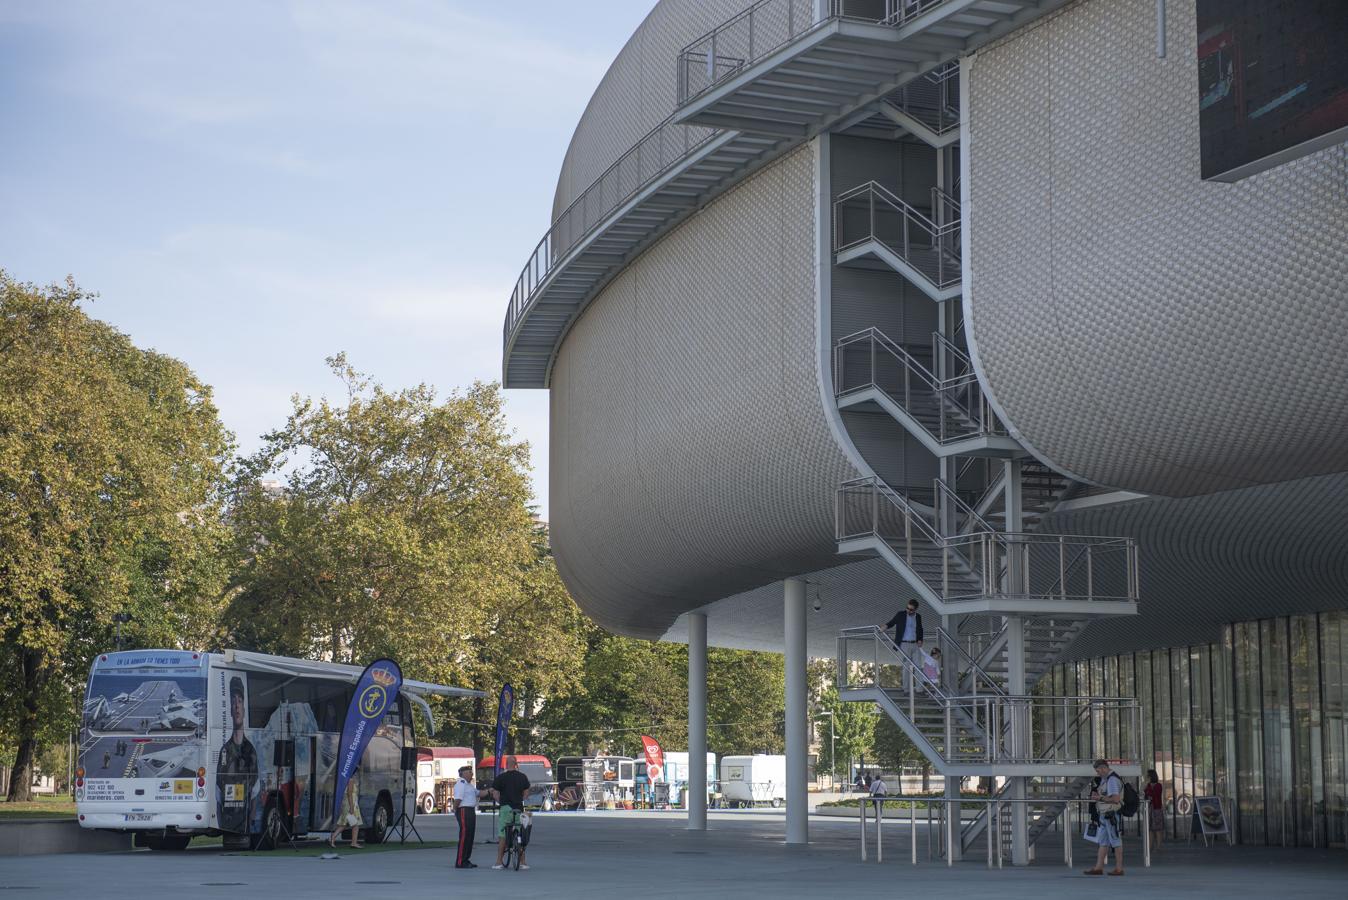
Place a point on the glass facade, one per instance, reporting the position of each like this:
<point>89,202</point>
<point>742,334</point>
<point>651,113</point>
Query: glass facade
<point>1259,719</point>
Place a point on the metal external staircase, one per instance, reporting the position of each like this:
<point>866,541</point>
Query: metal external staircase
<point>973,732</point>
<point>928,107</point>
<point>873,226</point>
<point>781,67</point>
<point>947,413</point>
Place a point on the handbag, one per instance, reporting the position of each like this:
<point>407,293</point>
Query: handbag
<point>352,819</point>
<point>1092,832</point>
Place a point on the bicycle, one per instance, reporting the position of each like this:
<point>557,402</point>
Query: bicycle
<point>517,838</point>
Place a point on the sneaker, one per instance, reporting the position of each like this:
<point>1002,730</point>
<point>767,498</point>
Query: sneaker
<point>523,867</point>
<point>498,866</point>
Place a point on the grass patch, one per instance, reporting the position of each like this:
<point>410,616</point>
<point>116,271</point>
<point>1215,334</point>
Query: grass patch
<point>42,808</point>
<point>899,803</point>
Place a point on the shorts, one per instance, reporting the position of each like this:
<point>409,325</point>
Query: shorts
<point>1108,835</point>
<point>1155,820</point>
<point>505,816</point>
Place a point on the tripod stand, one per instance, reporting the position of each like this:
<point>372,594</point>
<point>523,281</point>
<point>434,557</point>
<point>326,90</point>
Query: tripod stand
<point>404,822</point>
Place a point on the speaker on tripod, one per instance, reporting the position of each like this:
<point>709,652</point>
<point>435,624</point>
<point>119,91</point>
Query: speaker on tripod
<point>408,762</point>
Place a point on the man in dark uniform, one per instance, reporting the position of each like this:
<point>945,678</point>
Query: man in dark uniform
<point>236,770</point>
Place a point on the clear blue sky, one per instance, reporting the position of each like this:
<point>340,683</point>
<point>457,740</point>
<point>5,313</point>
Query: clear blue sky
<point>253,186</point>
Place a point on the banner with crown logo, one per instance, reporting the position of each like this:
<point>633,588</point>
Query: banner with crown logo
<point>376,693</point>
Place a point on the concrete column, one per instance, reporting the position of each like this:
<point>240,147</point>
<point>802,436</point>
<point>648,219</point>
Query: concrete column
<point>697,721</point>
<point>797,740</point>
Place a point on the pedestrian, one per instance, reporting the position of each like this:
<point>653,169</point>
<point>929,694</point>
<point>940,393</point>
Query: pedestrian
<point>1155,813</point>
<point>878,788</point>
<point>866,782</point>
<point>1108,799</point>
<point>510,789</point>
<point>465,813</point>
<point>907,625</point>
<point>350,814</point>
<point>107,758</point>
<point>931,666</point>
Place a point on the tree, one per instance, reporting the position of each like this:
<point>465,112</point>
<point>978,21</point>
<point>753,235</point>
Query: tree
<point>401,529</point>
<point>111,462</point>
<point>854,729</point>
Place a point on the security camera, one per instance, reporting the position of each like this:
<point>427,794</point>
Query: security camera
<point>818,604</point>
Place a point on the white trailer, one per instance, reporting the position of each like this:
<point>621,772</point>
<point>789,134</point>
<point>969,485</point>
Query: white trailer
<point>750,780</point>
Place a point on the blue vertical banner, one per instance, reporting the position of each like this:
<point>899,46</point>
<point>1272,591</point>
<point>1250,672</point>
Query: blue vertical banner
<point>504,707</point>
<point>376,693</point>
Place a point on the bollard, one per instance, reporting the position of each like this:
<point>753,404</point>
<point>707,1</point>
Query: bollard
<point>879,820</point>
<point>861,808</point>
<point>912,828</point>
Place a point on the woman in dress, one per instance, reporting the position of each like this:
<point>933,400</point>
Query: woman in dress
<point>349,817</point>
<point>1155,815</point>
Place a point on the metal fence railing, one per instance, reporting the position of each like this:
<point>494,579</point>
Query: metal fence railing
<point>929,241</point>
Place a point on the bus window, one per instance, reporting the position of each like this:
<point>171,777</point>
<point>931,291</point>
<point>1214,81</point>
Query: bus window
<point>264,696</point>
<point>330,703</point>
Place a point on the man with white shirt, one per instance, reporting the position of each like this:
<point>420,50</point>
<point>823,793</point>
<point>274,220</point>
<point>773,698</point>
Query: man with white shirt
<point>907,627</point>
<point>465,813</point>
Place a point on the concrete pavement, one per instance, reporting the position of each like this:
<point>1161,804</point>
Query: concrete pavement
<point>619,855</point>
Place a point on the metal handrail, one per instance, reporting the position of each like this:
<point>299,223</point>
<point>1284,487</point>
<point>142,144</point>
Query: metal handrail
<point>945,494</point>
<point>961,395</point>
<point>949,640</point>
<point>660,150</point>
<point>914,229</point>
<point>768,25</point>
<point>986,555</point>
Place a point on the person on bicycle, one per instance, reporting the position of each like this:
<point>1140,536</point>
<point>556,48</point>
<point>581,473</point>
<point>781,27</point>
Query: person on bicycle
<point>509,788</point>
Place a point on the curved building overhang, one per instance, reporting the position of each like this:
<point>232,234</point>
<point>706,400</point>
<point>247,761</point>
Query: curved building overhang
<point>1189,340</point>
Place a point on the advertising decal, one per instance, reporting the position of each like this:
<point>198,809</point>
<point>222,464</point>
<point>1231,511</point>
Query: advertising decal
<point>655,758</point>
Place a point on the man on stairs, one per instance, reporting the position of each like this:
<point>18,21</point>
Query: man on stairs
<point>907,625</point>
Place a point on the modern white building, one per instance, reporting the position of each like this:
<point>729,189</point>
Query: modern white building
<point>1031,311</point>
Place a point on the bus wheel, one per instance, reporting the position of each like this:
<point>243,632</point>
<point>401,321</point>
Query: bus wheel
<point>427,804</point>
<point>383,817</point>
<point>273,829</point>
<point>776,802</point>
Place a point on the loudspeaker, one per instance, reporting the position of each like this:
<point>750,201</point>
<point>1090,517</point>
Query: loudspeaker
<point>409,759</point>
<point>283,754</point>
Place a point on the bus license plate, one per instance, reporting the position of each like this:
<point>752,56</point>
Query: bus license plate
<point>140,817</point>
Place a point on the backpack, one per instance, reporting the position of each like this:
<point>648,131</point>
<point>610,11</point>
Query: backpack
<point>1128,808</point>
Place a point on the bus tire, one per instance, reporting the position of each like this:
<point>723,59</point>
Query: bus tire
<point>427,804</point>
<point>273,828</point>
<point>382,820</point>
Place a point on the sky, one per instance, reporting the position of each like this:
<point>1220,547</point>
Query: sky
<point>254,186</point>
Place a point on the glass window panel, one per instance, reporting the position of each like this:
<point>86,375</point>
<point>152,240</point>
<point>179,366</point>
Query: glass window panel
<point>1334,663</point>
<point>1143,664</point>
<point>1130,739</point>
<point>1110,688</point>
<point>1224,722</point>
<point>1179,732</point>
<point>1249,734</point>
<point>1200,717</point>
<point>1307,737</point>
<point>1165,750</point>
<point>1278,784</point>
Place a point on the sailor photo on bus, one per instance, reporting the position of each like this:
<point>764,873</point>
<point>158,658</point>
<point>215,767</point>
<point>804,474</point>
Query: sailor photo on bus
<point>236,770</point>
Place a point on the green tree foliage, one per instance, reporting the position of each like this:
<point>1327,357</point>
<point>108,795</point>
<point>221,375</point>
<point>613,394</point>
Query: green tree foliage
<point>111,461</point>
<point>854,732</point>
<point>893,749</point>
<point>397,525</point>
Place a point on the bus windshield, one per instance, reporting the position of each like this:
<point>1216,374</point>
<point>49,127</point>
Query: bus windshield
<point>144,720</point>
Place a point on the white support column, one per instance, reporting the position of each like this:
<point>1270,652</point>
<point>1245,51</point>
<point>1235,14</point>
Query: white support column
<point>697,721</point>
<point>1015,667</point>
<point>797,741</point>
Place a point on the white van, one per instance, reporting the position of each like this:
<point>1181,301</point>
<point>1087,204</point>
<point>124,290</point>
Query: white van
<point>750,780</point>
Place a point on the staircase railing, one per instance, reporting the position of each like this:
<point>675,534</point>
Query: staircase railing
<point>967,669</point>
<point>872,212</point>
<point>987,564</point>
<point>987,727</point>
<point>663,147</point>
<point>869,359</point>
<point>768,25</point>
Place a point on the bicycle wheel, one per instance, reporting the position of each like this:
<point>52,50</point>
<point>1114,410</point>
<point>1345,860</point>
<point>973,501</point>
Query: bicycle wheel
<point>517,838</point>
<point>509,852</point>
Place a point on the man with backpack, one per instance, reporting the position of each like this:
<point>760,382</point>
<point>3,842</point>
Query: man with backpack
<point>1111,800</point>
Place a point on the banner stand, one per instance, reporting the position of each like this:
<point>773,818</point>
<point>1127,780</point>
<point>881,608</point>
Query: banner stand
<point>404,821</point>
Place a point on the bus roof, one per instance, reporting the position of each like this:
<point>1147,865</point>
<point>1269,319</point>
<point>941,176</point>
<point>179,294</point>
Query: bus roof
<point>285,665</point>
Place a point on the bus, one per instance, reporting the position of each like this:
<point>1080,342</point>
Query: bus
<point>175,744</point>
<point>437,770</point>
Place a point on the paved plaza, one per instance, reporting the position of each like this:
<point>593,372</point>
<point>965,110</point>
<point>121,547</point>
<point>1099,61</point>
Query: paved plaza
<point>621,855</point>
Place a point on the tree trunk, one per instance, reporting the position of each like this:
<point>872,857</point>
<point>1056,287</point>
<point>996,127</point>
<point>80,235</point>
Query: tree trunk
<point>479,710</point>
<point>34,677</point>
